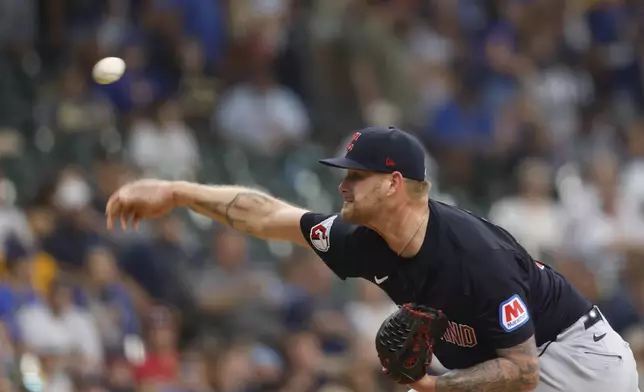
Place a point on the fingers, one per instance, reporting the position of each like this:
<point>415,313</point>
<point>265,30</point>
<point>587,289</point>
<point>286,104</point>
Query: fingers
<point>117,210</point>
<point>135,221</point>
<point>113,210</point>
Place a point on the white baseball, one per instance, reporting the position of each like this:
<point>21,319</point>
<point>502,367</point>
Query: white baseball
<point>108,70</point>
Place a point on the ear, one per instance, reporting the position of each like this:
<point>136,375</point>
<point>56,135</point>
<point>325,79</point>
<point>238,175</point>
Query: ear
<point>396,181</point>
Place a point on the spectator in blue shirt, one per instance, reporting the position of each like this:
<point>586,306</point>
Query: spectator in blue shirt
<point>463,121</point>
<point>17,290</point>
<point>106,296</point>
<point>613,28</point>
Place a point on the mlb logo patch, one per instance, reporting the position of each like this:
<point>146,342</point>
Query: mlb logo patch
<point>513,313</point>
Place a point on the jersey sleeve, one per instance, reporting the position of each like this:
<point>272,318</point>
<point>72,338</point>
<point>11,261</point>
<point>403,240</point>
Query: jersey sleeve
<point>501,295</point>
<point>334,241</point>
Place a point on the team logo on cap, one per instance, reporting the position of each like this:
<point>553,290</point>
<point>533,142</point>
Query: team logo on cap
<point>320,234</point>
<point>353,140</point>
<point>513,313</point>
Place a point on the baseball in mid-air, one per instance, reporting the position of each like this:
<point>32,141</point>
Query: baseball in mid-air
<point>108,70</point>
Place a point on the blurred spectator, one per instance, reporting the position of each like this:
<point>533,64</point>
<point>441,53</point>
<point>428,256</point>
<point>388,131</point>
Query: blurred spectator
<point>231,369</point>
<point>199,89</point>
<point>159,266</point>
<point>633,171</point>
<point>18,288</point>
<point>204,22</point>
<point>56,326</point>
<point>504,63</point>
<point>533,203</point>
<point>78,116</point>
<point>136,89</point>
<point>160,367</point>
<point>305,371</point>
<point>368,310</point>
<point>436,44</point>
<point>262,115</point>
<point>74,228</point>
<point>13,221</point>
<point>381,66</point>
<point>269,368</point>
<point>605,222</point>
<point>625,307</point>
<point>7,360</point>
<point>115,26</point>
<point>19,24</point>
<point>120,377</point>
<point>557,91</point>
<point>164,146</point>
<point>193,374</point>
<point>613,30</point>
<point>107,299</point>
<point>464,121</point>
<point>309,305</point>
<point>235,296</point>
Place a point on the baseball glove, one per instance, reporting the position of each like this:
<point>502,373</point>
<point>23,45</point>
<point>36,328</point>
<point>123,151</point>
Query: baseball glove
<point>405,341</point>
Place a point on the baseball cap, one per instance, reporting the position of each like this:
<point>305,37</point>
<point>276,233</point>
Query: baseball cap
<point>383,150</point>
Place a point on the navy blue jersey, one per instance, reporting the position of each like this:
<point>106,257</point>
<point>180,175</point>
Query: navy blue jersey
<point>495,295</point>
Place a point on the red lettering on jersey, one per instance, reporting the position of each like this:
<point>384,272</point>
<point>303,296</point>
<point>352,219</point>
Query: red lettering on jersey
<point>469,336</point>
<point>460,335</point>
<point>353,140</point>
<point>454,332</point>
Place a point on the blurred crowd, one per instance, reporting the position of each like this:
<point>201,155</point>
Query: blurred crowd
<point>531,111</point>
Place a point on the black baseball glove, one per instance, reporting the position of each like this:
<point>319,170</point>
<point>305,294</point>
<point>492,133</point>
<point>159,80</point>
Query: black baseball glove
<point>405,341</point>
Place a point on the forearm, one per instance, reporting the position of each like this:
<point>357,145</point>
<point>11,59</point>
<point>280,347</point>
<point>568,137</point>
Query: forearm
<point>498,375</point>
<point>244,209</point>
<point>240,208</point>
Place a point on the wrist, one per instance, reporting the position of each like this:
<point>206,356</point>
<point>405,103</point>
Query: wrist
<point>180,191</point>
<point>425,384</point>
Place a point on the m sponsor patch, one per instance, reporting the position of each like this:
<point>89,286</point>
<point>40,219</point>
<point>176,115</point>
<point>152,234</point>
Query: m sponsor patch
<point>513,313</point>
<point>321,234</point>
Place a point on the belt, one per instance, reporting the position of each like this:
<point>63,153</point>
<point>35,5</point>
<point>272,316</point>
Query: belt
<point>591,318</point>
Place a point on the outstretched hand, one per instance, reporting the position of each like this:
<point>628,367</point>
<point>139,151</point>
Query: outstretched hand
<point>142,199</point>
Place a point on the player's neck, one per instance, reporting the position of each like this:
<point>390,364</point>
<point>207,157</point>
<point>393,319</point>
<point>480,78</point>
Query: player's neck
<point>403,227</point>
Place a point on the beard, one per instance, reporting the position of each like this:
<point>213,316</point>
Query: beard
<point>351,213</point>
<point>346,213</point>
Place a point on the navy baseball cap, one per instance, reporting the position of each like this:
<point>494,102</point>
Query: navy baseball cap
<point>383,150</point>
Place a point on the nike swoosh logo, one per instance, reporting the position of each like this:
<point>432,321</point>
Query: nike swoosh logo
<point>597,338</point>
<point>378,281</point>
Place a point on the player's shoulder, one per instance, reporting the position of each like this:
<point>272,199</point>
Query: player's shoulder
<point>323,229</point>
<point>471,233</point>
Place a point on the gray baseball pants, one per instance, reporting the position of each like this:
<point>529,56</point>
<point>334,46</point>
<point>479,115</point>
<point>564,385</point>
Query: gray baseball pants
<point>587,358</point>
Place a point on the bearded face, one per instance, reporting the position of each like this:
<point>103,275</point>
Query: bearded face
<point>362,194</point>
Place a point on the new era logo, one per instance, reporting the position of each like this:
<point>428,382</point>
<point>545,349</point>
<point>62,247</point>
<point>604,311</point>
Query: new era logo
<point>513,313</point>
<point>390,162</point>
